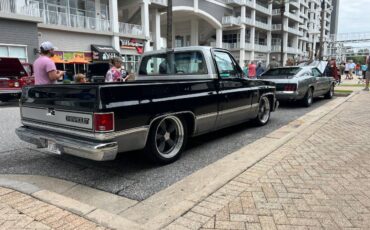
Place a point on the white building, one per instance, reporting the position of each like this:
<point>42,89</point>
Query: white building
<point>250,29</point>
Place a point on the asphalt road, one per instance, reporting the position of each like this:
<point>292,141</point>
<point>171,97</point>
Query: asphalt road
<point>130,175</point>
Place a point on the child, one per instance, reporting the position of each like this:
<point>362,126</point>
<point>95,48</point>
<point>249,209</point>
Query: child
<point>80,78</point>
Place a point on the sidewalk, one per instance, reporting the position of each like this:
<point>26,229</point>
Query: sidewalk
<point>318,180</point>
<point>20,211</point>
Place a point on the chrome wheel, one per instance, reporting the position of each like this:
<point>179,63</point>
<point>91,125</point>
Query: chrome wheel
<point>264,110</point>
<point>309,97</point>
<point>169,137</point>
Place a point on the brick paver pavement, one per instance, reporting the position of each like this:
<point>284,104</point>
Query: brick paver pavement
<point>318,180</point>
<point>21,211</point>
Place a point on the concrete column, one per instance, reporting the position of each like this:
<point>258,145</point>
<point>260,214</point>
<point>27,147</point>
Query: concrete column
<point>285,41</point>
<point>219,38</point>
<point>196,5</point>
<point>269,41</point>
<point>242,12</point>
<point>97,11</point>
<point>194,35</point>
<point>157,30</point>
<point>113,12</point>
<point>242,46</point>
<point>253,33</point>
<point>145,21</point>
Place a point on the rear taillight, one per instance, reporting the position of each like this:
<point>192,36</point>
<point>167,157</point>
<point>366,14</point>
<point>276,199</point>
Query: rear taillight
<point>104,122</point>
<point>290,87</point>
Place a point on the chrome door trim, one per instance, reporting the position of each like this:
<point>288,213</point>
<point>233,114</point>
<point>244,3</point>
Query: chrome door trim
<point>89,135</point>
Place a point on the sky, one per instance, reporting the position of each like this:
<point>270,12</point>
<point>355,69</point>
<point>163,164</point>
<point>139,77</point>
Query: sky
<point>354,16</point>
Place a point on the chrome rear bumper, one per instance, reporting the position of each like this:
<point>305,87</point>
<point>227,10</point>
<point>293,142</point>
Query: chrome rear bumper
<point>98,151</point>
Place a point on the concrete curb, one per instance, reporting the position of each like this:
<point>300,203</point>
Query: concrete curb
<point>89,212</point>
<point>169,204</point>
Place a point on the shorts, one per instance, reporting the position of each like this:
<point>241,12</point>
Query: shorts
<point>346,72</point>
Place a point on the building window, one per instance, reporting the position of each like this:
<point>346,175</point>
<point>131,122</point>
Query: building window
<point>14,51</point>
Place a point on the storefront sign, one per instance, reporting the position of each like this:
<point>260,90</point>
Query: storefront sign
<point>103,53</point>
<point>65,57</point>
<point>132,44</point>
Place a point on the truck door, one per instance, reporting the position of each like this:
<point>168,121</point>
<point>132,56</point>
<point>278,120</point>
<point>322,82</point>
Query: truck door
<point>235,94</point>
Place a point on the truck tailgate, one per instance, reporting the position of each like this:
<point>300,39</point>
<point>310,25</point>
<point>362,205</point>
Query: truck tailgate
<point>69,106</point>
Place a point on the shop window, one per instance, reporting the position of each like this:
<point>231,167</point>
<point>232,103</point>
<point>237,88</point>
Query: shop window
<point>14,51</point>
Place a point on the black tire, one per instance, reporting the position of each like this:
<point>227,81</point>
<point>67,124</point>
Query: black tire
<point>330,93</point>
<point>308,98</point>
<point>264,112</point>
<point>167,139</point>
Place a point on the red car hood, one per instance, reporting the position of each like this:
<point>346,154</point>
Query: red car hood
<point>11,67</point>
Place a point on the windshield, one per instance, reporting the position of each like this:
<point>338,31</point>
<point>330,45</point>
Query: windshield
<point>281,73</point>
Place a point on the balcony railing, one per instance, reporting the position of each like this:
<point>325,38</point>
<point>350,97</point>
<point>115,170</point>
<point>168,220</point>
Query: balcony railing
<point>262,9</point>
<point>160,2</point>
<point>263,25</point>
<point>21,7</point>
<point>295,31</point>
<point>231,20</point>
<point>291,50</point>
<point>226,45</point>
<point>261,48</point>
<point>247,21</point>
<point>235,2</point>
<point>76,21</point>
<point>276,27</point>
<point>275,48</point>
<point>248,46</point>
<point>126,28</point>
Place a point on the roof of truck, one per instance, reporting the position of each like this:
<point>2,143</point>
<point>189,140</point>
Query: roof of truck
<point>187,48</point>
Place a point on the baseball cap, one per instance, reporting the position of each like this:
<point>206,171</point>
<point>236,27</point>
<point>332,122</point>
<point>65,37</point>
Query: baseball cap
<point>47,46</point>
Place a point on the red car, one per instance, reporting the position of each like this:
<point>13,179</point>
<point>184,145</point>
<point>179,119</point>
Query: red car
<point>13,76</point>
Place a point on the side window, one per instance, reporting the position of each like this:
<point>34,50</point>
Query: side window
<point>155,65</point>
<point>316,73</point>
<point>226,65</point>
<point>190,63</point>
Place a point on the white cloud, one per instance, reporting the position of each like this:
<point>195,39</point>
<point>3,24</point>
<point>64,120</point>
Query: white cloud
<point>354,16</point>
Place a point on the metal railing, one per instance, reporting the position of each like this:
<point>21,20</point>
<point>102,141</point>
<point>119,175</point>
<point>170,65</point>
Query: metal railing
<point>76,21</point>
<point>21,7</point>
<point>275,48</point>
<point>126,28</point>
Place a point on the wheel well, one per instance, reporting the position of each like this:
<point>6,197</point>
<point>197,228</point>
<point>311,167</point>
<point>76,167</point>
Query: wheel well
<point>190,122</point>
<point>188,117</point>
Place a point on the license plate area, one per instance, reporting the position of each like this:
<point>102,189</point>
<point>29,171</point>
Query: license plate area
<point>53,147</point>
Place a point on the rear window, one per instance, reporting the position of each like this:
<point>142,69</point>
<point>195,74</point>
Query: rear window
<point>180,63</point>
<point>282,72</point>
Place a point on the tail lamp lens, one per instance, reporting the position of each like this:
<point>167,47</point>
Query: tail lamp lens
<point>290,87</point>
<point>104,122</point>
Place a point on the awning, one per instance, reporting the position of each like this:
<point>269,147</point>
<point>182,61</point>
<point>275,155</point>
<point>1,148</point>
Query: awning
<point>58,59</point>
<point>103,53</point>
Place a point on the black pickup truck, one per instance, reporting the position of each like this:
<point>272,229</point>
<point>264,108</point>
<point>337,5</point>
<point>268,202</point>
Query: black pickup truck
<point>177,94</point>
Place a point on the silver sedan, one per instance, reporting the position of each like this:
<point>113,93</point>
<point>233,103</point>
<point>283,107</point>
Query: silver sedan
<point>300,83</point>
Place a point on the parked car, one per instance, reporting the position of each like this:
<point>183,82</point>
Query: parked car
<point>300,83</point>
<point>177,94</point>
<point>13,76</point>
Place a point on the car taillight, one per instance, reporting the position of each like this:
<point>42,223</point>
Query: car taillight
<point>290,87</point>
<point>104,122</point>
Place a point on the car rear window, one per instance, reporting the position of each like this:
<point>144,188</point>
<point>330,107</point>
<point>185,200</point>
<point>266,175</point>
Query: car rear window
<point>283,71</point>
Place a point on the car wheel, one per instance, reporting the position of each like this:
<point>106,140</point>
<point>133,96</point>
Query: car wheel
<point>330,93</point>
<point>167,139</point>
<point>264,112</point>
<point>308,98</point>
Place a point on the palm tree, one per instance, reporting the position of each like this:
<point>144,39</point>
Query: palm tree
<point>169,24</point>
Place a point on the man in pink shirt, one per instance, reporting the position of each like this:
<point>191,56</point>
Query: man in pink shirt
<point>44,68</point>
<point>252,70</point>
